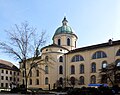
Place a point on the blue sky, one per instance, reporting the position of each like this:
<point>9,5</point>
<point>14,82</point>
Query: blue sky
<point>94,21</point>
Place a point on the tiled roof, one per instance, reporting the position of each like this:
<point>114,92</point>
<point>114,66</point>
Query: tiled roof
<point>102,45</point>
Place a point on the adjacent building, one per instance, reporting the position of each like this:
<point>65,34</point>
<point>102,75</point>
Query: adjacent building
<point>68,65</point>
<point>9,75</point>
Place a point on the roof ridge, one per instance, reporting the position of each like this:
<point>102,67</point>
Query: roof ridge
<point>117,42</point>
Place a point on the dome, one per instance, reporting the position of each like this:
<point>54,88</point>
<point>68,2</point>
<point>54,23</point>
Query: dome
<point>64,28</point>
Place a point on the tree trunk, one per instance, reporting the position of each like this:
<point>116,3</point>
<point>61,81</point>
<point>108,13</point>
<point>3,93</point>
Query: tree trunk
<point>110,80</point>
<point>25,76</point>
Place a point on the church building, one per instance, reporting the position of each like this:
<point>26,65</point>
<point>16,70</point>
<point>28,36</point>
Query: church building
<point>69,66</point>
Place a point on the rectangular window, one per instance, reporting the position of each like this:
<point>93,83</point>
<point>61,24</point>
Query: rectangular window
<point>2,84</point>
<point>14,79</point>
<point>10,78</point>
<point>6,71</point>
<point>11,72</point>
<point>17,79</point>
<point>6,78</point>
<point>2,77</point>
<point>2,71</point>
<point>14,73</point>
<point>6,85</point>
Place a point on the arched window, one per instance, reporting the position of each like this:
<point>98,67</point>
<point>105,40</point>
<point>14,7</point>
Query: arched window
<point>46,69</point>
<point>72,69</point>
<point>46,80</point>
<point>23,73</point>
<point>23,65</point>
<point>68,41</point>
<point>99,54</point>
<point>118,64</point>
<point>61,70</point>
<point>117,78</point>
<point>60,59</point>
<point>59,42</point>
<point>81,69</point>
<point>46,58</point>
<point>30,81</point>
<point>93,67</point>
<point>104,78</point>
<point>72,80</point>
<point>31,73</point>
<point>93,79</point>
<point>23,81</point>
<point>75,44</point>
<point>37,73</point>
<point>104,65</point>
<point>81,80</point>
<point>77,58</point>
<point>37,81</point>
<point>118,53</point>
<point>61,81</point>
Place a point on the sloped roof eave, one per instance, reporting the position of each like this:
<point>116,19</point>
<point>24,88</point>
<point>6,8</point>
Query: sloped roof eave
<point>54,45</point>
<point>102,45</point>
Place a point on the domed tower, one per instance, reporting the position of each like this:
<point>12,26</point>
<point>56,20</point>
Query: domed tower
<point>64,36</point>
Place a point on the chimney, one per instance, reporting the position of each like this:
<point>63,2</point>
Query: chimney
<point>110,41</point>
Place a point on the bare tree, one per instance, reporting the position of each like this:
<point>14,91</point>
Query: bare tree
<point>23,44</point>
<point>111,72</point>
<point>70,82</point>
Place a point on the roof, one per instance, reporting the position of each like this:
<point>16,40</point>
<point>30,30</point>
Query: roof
<point>53,45</point>
<point>33,58</point>
<point>102,45</point>
<point>7,65</point>
<point>64,29</point>
<point>6,62</point>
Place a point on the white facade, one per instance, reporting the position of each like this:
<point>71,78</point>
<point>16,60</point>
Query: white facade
<point>9,75</point>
